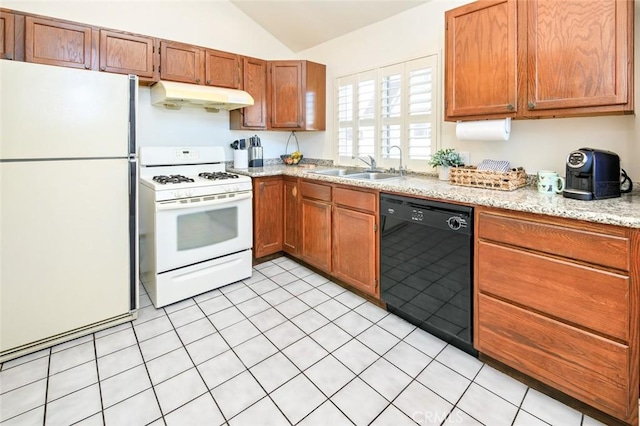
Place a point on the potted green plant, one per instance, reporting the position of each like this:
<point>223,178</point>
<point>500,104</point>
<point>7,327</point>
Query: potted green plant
<point>443,159</point>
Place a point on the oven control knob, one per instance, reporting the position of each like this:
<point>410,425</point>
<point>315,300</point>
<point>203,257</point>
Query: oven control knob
<point>188,193</point>
<point>177,194</point>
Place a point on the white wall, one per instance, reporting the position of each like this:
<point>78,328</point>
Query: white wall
<point>534,144</point>
<point>216,24</point>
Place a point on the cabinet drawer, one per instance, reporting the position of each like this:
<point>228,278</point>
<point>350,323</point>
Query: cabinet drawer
<point>357,199</point>
<point>588,367</point>
<point>315,190</point>
<point>587,245</point>
<point>588,297</point>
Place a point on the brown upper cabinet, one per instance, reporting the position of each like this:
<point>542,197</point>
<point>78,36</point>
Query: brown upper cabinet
<point>535,59</point>
<point>181,62</point>
<point>7,35</point>
<point>222,69</point>
<point>192,64</point>
<point>297,95</point>
<point>124,53</point>
<point>57,43</point>
<point>254,82</point>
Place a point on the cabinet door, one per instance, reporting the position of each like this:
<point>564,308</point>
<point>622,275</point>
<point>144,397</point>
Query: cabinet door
<point>291,225</point>
<point>481,60</point>
<point>254,82</point>
<point>354,249</point>
<point>578,53</point>
<point>267,213</point>
<point>286,94</point>
<point>6,35</point>
<point>126,54</point>
<point>57,43</point>
<point>315,241</point>
<point>181,62</point>
<point>222,69</point>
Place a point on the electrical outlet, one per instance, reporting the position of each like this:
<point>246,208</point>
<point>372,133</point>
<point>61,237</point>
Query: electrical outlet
<point>466,158</point>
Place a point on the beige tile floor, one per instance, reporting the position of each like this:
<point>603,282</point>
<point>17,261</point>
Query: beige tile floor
<point>285,347</point>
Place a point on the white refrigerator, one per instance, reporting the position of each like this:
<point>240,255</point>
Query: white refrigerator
<point>68,204</point>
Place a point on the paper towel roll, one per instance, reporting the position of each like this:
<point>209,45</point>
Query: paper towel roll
<point>486,130</point>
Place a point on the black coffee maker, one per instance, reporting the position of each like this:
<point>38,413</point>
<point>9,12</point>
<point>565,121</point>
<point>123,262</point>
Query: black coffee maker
<point>592,174</point>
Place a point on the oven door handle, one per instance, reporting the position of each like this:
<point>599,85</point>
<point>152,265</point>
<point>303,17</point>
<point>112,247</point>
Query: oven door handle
<point>216,202</point>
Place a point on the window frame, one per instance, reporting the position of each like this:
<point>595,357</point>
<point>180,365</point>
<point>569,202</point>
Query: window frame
<point>383,159</point>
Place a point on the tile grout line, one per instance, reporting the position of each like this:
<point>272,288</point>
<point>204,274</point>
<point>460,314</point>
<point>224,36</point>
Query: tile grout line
<point>95,353</point>
<point>46,392</point>
<point>224,417</point>
<point>247,369</point>
<point>148,375</point>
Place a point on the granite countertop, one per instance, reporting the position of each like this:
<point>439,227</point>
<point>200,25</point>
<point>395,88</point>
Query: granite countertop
<point>623,211</point>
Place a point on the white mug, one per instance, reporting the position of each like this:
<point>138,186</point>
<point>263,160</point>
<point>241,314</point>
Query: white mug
<point>550,182</point>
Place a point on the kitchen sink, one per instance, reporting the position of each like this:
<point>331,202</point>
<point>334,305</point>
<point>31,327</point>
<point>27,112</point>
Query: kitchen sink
<point>356,174</point>
<point>338,172</point>
<point>372,176</point>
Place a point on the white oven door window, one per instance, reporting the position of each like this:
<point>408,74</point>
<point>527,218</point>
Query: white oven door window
<point>192,231</point>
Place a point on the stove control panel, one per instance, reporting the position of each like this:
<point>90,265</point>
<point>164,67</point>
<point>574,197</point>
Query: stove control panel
<point>184,155</point>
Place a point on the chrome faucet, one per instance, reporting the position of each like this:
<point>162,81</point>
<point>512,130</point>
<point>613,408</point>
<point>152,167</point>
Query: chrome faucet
<point>372,164</point>
<point>400,170</point>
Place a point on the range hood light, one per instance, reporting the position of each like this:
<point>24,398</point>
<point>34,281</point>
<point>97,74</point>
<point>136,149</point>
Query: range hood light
<point>173,95</point>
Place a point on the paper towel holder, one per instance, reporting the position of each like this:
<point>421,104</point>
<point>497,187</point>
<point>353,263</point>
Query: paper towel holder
<point>507,123</point>
<point>484,130</point>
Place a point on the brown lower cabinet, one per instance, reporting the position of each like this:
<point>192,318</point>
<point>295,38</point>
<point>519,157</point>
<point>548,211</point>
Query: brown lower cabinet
<point>558,301</point>
<point>315,224</point>
<point>267,216</point>
<point>331,227</point>
<point>355,242</point>
<point>291,227</point>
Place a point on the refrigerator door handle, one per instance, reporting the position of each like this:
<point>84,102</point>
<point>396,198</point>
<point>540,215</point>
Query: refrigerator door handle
<point>133,195</point>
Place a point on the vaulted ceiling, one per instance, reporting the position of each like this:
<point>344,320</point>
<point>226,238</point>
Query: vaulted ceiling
<point>301,24</point>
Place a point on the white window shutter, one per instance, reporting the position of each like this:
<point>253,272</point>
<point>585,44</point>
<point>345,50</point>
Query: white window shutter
<point>391,106</point>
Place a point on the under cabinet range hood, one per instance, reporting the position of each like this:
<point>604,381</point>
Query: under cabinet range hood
<point>173,95</point>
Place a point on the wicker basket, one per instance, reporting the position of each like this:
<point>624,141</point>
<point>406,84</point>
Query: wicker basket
<point>488,179</point>
<point>286,156</point>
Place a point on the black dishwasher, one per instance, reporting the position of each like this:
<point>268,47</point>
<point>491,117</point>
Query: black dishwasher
<point>426,266</point>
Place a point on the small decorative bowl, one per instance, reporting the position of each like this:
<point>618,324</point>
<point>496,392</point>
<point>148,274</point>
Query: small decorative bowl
<point>290,161</point>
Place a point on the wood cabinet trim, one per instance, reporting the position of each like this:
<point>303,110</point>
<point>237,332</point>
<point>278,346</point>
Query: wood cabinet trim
<point>317,191</point>
<point>7,47</point>
<point>569,359</point>
<point>619,94</point>
<point>32,22</point>
<point>558,238</point>
<point>355,199</point>
<point>189,74</point>
<point>148,42</point>
<point>616,72</point>
<point>592,299</point>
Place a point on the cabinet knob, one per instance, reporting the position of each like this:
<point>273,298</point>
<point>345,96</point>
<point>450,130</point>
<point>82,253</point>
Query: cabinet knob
<point>532,105</point>
<point>197,80</point>
<point>102,68</point>
<point>208,81</point>
<point>510,107</point>
<point>8,56</point>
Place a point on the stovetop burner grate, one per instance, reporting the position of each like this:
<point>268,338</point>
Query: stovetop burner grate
<point>164,179</point>
<point>217,175</point>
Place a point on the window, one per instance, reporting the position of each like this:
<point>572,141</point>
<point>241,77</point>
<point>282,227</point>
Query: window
<point>386,107</point>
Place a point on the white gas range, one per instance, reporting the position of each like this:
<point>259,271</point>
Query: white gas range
<point>196,222</point>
